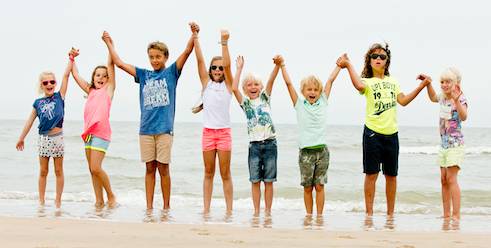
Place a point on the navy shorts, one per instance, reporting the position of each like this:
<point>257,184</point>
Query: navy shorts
<point>380,149</point>
<point>262,161</point>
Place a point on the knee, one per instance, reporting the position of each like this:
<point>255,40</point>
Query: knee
<point>319,187</point>
<point>164,170</point>
<point>59,172</point>
<point>150,170</point>
<point>209,173</point>
<point>444,181</point>
<point>452,180</point>
<point>43,173</point>
<point>96,171</point>
<point>308,190</point>
<point>225,175</point>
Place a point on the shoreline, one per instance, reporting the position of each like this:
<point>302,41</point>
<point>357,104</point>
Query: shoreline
<point>55,232</point>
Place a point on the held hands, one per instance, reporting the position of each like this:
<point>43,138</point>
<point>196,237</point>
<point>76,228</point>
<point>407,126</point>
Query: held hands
<point>343,61</point>
<point>194,29</point>
<point>20,145</point>
<point>239,62</point>
<point>224,36</point>
<point>425,79</point>
<point>278,60</point>
<point>73,53</point>
<point>107,38</point>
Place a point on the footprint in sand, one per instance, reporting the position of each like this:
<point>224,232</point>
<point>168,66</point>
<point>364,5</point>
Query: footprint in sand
<point>346,237</point>
<point>201,231</point>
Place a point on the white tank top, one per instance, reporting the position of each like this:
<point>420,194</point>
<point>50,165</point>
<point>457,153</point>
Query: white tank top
<point>216,105</point>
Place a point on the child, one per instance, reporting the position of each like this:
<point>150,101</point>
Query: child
<point>157,106</point>
<point>313,155</point>
<point>453,111</point>
<point>97,129</point>
<point>216,85</point>
<point>50,110</point>
<point>380,140</point>
<point>262,142</point>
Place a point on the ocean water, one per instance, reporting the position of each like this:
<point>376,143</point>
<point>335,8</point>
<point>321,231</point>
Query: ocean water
<point>418,204</point>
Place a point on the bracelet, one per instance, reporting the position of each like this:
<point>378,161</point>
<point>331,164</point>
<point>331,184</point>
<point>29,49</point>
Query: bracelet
<point>223,42</point>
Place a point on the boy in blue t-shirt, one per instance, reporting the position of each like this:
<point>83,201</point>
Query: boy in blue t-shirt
<point>157,106</point>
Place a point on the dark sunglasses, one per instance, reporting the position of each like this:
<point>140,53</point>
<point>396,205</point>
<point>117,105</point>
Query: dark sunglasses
<point>49,82</point>
<point>375,56</point>
<point>214,67</point>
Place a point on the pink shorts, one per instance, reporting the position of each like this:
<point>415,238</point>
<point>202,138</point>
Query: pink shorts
<point>217,139</point>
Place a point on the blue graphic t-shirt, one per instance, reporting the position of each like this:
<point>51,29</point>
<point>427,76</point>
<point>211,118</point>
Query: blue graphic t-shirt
<point>157,99</point>
<point>50,111</point>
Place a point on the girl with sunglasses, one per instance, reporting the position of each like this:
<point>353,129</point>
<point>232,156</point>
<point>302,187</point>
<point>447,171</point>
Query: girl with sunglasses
<point>216,85</point>
<point>97,129</point>
<point>50,111</point>
<point>380,140</point>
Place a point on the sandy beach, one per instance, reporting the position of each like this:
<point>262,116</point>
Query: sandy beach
<point>50,233</point>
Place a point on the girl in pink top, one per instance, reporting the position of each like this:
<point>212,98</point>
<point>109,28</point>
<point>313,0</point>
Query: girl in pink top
<point>97,130</point>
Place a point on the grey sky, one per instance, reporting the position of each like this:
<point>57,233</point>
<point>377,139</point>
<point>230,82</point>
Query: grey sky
<point>424,36</point>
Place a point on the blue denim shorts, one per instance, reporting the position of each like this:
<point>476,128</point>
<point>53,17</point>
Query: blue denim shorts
<point>262,161</point>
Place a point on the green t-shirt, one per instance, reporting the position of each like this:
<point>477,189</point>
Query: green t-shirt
<point>381,111</point>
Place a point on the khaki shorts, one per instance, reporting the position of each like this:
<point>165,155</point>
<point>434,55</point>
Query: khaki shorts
<point>156,147</point>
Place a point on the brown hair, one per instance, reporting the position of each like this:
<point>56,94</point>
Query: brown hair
<point>211,63</point>
<point>367,69</point>
<point>93,74</point>
<point>158,45</point>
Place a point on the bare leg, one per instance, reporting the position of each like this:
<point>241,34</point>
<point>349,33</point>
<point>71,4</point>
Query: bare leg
<point>209,158</point>
<point>308,199</point>
<point>165,183</point>
<point>96,158</point>
<point>96,184</point>
<point>454,187</point>
<point>228,189</point>
<point>256,197</point>
<point>43,173</point>
<point>319,198</point>
<point>446,196</point>
<point>60,180</point>
<point>390,193</point>
<point>369,188</point>
<point>268,196</point>
<point>150,182</point>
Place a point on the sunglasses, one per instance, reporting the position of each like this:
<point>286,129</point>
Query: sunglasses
<point>214,67</point>
<point>375,56</point>
<point>52,82</point>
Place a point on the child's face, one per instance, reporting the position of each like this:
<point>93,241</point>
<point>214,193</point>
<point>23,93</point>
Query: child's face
<point>157,59</point>
<point>217,71</point>
<point>311,92</point>
<point>447,85</point>
<point>100,77</point>
<point>378,64</point>
<point>252,89</point>
<point>48,84</point>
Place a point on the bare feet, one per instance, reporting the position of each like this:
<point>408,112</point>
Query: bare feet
<point>111,201</point>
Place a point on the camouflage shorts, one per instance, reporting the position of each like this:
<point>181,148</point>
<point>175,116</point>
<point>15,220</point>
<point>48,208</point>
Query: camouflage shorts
<point>313,166</point>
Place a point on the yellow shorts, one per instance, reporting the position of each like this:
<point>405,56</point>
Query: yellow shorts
<point>156,147</point>
<point>451,156</point>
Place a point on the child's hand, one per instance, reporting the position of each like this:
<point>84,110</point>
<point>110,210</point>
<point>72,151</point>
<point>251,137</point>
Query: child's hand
<point>20,145</point>
<point>224,35</point>
<point>239,62</point>
<point>278,60</point>
<point>73,53</point>
<point>343,61</point>
<point>425,79</point>
<point>194,27</point>
<point>456,92</point>
<point>106,38</point>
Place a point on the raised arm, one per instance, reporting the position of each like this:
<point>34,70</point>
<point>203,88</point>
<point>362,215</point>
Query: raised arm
<point>330,80</point>
<point>429,89</point>
<point>111,73</point>
<point>130,69</point>
<point>20,143</point>
<point>84,85</point>
<point>404,99</point>
<point>344,62</point>
<point>235,85</point>
<point>226,59</point>
<point>66,74</point>
<point>181,60</point>
<point>200,61</point>
<point>277,60</point>
<point>461,108</point>
<point>289,85</point>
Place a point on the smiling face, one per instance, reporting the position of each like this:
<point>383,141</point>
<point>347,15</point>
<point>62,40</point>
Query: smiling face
<point>378,60</point>
<point>99,77</point>
<point>216,71</point>
<point>47,84</point>
<point>311,88</point>
<point>252,86</point>
<point>447,85</point>
<point>157,58</point>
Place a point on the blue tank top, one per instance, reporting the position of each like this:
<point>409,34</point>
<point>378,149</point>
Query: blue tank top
<point>50,111</point>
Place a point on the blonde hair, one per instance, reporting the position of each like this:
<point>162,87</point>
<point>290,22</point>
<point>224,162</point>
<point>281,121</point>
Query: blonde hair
<point>158,45</point>
<point>310,79</point>
<point>451,73</point>
<point>40,79</point>
<point>250,78</point>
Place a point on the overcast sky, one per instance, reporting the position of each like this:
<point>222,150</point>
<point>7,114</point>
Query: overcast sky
<point>424,36</point>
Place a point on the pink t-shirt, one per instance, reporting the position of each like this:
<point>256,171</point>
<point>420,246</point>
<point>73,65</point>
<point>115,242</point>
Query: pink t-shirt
<point>96,114</point>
